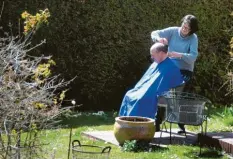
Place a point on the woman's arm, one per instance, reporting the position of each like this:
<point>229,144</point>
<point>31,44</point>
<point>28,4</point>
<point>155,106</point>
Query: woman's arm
<point>193,51</point>
<point>190,56</point>
<point>163,35</point>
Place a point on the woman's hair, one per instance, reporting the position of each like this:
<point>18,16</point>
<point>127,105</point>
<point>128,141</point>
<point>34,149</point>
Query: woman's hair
<point>191,20</point>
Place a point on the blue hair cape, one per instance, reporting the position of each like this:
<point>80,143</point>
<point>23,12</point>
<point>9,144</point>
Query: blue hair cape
<point>142,99</point>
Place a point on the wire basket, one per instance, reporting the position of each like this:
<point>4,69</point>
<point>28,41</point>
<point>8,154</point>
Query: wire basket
<point>80,151</point>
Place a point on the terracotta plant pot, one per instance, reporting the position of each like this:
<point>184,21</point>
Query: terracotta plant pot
<point>133,128</point>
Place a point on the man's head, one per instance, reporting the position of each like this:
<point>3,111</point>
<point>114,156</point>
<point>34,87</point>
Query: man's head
<point>158,52</point>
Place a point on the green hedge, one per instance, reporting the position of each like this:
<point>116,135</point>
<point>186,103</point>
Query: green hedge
<point>106,43</point>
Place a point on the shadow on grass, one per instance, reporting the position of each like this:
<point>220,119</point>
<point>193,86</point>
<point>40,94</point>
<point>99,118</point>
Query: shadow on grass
<point>155,148</point>
<point>206,154</point>
<point>86,119</point>
<point>142,146</point>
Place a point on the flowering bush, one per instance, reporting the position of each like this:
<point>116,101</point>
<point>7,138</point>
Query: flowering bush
<point>29,98</point>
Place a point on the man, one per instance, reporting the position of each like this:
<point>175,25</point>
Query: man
<point>162,75</point>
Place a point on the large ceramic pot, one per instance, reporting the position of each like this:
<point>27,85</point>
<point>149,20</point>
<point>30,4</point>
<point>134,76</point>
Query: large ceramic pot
<point>133,128</point>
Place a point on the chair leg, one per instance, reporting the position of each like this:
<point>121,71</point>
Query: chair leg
<point>205,125</point>
<point>199,141</point>
<point>203,132</point>
<point>160,135</point>
<point>165,127</point>
<point>170,133</point>
<point>161,132</point>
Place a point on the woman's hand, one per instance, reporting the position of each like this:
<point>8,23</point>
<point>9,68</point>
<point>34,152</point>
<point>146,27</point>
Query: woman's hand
<point>174,55</point>
<point>162,40</point>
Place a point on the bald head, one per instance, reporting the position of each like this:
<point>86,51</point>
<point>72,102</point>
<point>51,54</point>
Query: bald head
<point>158,52</point>
<point>158,47</point>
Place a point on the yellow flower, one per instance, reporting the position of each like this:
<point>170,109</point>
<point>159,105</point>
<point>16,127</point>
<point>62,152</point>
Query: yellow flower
<point>62,95</point>
<point>13,131</point>
<point>38,16</point>
<point>52,62</point>
<point>39,105</point>
<point>55,101</point>
<point>33,22</point>
<point>24,15</point>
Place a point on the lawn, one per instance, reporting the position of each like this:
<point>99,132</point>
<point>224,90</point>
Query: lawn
<point>220,119</point>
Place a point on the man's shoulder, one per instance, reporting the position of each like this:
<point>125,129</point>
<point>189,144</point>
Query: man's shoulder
<point>172,70</point>
<point>170,65</point>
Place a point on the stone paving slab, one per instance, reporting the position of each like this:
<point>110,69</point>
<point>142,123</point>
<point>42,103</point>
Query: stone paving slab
<point>220,140</point>
<point>108,136</point>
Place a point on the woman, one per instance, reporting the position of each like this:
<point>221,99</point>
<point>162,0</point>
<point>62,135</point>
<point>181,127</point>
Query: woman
<point>182,47</point>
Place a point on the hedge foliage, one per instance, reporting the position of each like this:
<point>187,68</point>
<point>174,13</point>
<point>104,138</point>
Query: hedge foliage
<point>106,43</point>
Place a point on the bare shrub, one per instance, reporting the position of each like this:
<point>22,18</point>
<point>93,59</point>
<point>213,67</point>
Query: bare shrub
<point>29,98</point>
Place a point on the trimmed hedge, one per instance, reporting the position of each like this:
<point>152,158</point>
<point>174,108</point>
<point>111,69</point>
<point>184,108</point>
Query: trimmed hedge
<point>106,43</point>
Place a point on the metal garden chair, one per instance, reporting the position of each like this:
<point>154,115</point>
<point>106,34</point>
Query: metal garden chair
<point>185,108</point>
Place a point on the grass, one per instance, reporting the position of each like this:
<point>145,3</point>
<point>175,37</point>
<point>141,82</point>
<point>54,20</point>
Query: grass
<point>220,119</point>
